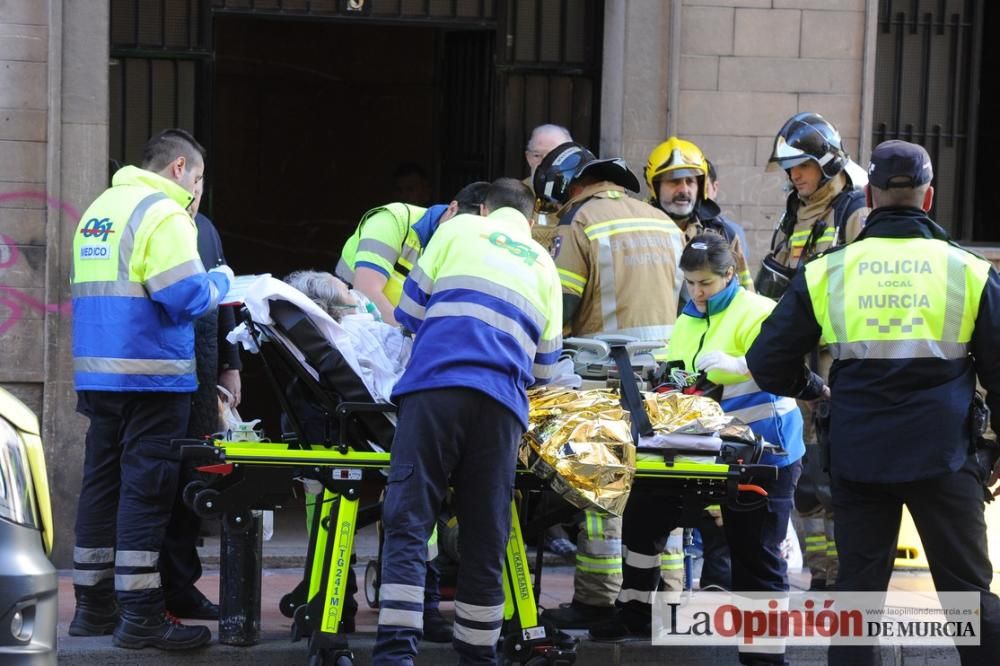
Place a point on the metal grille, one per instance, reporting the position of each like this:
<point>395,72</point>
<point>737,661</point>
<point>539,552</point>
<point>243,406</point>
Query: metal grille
<point>449,12</point>
<point>926,83</point>
<point>160,52</point>
<point>544,68</point>
<point>468,79</point>
<point>547,72</point>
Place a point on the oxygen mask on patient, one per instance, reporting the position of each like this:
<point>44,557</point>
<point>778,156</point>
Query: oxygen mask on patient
<point>357,303</point>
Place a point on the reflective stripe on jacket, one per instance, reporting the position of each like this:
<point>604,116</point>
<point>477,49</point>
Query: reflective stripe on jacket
<point>620,256</point>
<point>385,241</point>
<point>138,284</point>
<point>485,303</point>
<point>912,322</point>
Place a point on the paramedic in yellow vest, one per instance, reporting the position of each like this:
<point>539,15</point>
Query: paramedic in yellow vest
<point>485,306</point>
<point>617,259</point>
<point>138,285</point>
<point>380,254</point>
<point>825,208</point>
<point>911,320</point>
<point>711,338</point>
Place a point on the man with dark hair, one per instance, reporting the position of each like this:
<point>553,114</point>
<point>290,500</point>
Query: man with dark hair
<point>905,423</point>
<point>166,146</point>
<point>376,260</point>
<point>712,188</point>
<point>510,193</point>
<point>218,364</point>
<point>389,239</point>
<point>485,305</point>
<point>138,285</point>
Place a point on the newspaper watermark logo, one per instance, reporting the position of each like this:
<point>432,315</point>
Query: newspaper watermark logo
<point>776,619</point>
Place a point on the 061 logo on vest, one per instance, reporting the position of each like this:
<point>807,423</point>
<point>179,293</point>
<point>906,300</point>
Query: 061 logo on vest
<point>95,228</point>
<point>519,250</point>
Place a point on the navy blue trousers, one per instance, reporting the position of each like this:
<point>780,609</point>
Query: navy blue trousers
<point>130,474</point>
<point>948,513</point>
<point>754,542</point>
<point>465,438</point>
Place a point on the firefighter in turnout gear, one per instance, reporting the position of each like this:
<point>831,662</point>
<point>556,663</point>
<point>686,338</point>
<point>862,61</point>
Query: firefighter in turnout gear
<point>677,174</point>
<point>824,209</point>
<point>617,259</point>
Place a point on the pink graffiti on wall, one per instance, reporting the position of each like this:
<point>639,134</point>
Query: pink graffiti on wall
<point>16,301</point>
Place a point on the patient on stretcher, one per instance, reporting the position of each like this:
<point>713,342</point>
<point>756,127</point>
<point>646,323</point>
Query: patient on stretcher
<point>375,351</point>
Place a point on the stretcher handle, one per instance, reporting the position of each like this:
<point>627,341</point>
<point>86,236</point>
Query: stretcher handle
<point>751,488</point>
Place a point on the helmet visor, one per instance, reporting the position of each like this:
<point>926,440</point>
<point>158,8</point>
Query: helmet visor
<point>785,156</point>
<point>681,159</point>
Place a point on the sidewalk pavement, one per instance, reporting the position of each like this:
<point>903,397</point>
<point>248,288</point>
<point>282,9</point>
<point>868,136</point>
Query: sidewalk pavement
<point>276,649</point>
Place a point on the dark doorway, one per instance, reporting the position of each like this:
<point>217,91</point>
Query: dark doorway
<point>312,119</point>
<point>307,108</point>
<point>987,195</point>
<point>309,130</point>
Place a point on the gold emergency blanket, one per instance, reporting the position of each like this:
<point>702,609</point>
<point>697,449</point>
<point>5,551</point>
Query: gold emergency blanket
<point>581,441</point>
<point>692,414</point>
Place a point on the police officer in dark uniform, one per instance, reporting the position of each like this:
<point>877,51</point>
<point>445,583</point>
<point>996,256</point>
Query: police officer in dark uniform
<point>911,320</point>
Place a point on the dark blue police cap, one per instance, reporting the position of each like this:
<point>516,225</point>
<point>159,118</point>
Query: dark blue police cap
<point>899,164</point>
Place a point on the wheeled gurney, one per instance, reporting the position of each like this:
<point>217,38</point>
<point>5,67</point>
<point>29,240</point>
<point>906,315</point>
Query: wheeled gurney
<point>302,366</point>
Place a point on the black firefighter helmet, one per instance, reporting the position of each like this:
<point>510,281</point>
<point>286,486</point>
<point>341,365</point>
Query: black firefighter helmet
<point>570,161</point>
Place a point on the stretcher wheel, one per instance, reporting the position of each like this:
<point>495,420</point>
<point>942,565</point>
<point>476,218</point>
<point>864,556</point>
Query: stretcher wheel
<point>206,503</point>
<point>191,490</point>
<point>372,583</point>
<point>239,521</point>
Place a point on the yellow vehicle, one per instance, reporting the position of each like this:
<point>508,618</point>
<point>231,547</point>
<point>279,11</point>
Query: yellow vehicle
<point>28,582</point>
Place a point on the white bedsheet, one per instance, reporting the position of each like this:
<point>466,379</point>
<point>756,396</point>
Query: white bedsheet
<point>377,352</point>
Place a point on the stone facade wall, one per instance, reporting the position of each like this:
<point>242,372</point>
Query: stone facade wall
<point>24,41</point>
<point>53,162</point>
<point>746,66</point>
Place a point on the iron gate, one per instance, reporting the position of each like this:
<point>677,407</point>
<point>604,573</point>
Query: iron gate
<point>541,64</point>
<point>927,92</point>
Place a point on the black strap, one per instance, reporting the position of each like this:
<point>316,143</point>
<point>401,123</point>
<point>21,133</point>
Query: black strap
<point>630,394</point>
<point>846,204</point>
<point>568,217</point>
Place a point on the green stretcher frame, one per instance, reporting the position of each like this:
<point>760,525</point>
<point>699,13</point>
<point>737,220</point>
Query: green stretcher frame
<point>245,468</point>
<point>259,475</point>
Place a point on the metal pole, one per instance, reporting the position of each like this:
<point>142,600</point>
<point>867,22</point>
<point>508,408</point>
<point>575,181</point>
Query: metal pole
<point>239,579</point>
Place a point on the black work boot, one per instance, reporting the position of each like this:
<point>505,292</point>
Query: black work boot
<point>437,629</point>
<point>96,614</point>
<point>577,615</point>
<point>621,627</point>
<point>162,631</point>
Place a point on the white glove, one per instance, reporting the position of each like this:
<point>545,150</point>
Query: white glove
<point>717,360</point>
<point>225,270</point>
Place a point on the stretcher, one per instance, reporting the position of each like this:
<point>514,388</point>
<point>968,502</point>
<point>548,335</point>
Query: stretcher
<point>241,477</point>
